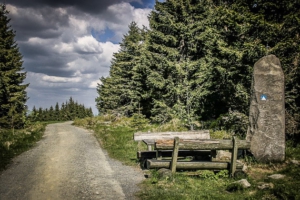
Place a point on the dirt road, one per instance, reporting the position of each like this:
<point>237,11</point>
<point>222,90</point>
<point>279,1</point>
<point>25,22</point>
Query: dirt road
<point>68,163</point>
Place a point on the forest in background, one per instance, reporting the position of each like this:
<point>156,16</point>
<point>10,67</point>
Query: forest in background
<point>68,111</point>
<point>195,62</point>
<point>13,95</point>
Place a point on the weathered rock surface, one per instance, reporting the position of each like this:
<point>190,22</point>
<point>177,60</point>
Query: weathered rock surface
<point>222,155</point>
<point>276,176</point>
<point>163,173</point>
<point>295,162</point>
<point>264,186</point>
<point>266,130</point>
<point>238,185</point>
<point>243,182</point>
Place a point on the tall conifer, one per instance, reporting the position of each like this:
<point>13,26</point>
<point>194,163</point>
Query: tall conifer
<point>116,92</point>
<point>12,90</point>
<point>168,42</point>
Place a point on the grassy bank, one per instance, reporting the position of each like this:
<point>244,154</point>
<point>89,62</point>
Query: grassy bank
<point>14,142</point>
<point>116,136</point>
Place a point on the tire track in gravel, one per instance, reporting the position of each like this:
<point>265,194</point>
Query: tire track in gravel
<point>68,163</point>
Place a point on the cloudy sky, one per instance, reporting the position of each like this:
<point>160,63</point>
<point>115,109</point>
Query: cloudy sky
<point>67,45</point>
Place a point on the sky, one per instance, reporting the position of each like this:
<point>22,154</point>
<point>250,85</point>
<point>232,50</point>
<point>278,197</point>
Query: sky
<point>67,45</point>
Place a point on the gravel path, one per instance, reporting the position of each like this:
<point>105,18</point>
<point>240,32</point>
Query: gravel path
<point>68,163</point>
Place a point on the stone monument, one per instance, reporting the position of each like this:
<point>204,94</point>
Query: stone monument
<point>266,130</point>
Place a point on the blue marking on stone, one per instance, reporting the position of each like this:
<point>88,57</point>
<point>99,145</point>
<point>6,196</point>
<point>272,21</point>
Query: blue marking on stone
<point>263,97</point>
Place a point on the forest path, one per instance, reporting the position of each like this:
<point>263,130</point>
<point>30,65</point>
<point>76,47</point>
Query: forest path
<point>68,163</point>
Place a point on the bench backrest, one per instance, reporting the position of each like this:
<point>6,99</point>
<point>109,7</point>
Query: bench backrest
<point>201,144</point>
<point>189,135</point>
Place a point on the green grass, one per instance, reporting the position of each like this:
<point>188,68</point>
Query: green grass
<point>13,143</point>
<point>118,142</point>
<point>197,187</point>
<point>116,136</point>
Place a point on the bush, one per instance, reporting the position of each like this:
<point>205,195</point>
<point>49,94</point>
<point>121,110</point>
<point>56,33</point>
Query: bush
<point>233,122</point>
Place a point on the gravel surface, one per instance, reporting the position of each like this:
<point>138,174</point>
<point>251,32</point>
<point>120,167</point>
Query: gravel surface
<point>68,163</point>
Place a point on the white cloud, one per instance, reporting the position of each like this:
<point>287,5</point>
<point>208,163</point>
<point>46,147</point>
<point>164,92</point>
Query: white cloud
<point>55,79</point>
<point>140,16</point>
<point>87,44</point>
<point>94,84</point>
<point>119,16</point>
<point>61,56</point>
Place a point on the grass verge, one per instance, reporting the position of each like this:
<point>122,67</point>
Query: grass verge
<point>116,136</point>
<point>14,143</point>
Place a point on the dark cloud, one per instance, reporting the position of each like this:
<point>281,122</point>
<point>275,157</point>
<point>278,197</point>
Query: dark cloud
<point>44,23</point>
<point>67,45</point>
<point>90,6</point>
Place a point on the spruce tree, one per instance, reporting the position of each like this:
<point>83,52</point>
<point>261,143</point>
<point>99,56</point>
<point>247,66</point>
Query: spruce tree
<point>174,59</point>
<point>287,48</point>
<point>116,92</point>
<point>12,90</point>
<point>57,112</point>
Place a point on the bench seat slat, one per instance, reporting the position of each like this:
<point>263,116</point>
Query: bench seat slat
<point>192,135</point>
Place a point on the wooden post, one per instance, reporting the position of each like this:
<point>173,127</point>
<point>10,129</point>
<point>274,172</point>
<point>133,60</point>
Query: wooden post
<point>150,147</point>
<point>158,155</point>
<point>233,157</point>
<point>192,165</point>
<point>175,155</point>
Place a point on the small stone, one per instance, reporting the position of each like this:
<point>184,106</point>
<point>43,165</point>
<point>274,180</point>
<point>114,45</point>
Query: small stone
<point>276,176</point>
<point>264,186</point>
<point>245,168</point>
<point>163,173</point>
<point>223,155</point>
<point>295,162</point>
<point>244,183</point>
<point>238,185</point>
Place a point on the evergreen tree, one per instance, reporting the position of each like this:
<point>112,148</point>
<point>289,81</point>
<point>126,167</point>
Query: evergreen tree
<point>224,75</point>
<point>63,112</point>
<point>57,116</point>
<point>40,116</point>
<point>116,92</point>
<point>51,114</point>
<point>33,116</point>
<point>173,59</point>
<point>12,90</point>
<point>283,21</point>
<point>89,112</point>
<point>196,60</point>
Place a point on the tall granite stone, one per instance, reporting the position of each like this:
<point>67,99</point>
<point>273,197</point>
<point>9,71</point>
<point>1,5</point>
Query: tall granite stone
<point>266,130</point>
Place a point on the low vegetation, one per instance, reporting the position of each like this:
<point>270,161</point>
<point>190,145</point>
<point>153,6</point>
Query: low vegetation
<point>14,142</point>
<point>116,136</point>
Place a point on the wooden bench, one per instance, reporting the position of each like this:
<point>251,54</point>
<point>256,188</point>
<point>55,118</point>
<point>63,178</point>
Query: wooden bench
<point>204,144</point>
<point>149,138</point>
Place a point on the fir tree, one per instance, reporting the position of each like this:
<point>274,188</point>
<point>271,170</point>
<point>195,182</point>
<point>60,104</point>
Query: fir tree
<point>12,90</point>
<point>173,59</point>
<point>116,92</point>
<point>57,112</point>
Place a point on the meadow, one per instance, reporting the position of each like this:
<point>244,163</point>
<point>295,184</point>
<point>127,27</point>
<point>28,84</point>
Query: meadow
<point>115,134</point>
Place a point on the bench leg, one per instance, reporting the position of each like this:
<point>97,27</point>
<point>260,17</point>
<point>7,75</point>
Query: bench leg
<point>150,147</point>
<point>233,157</point>
<point>175,155</point>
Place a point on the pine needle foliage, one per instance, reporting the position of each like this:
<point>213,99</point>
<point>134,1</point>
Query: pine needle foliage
<point>12,89</point>
<point>69,110</point>
<point>118,92</point>
<point>196,60</point>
